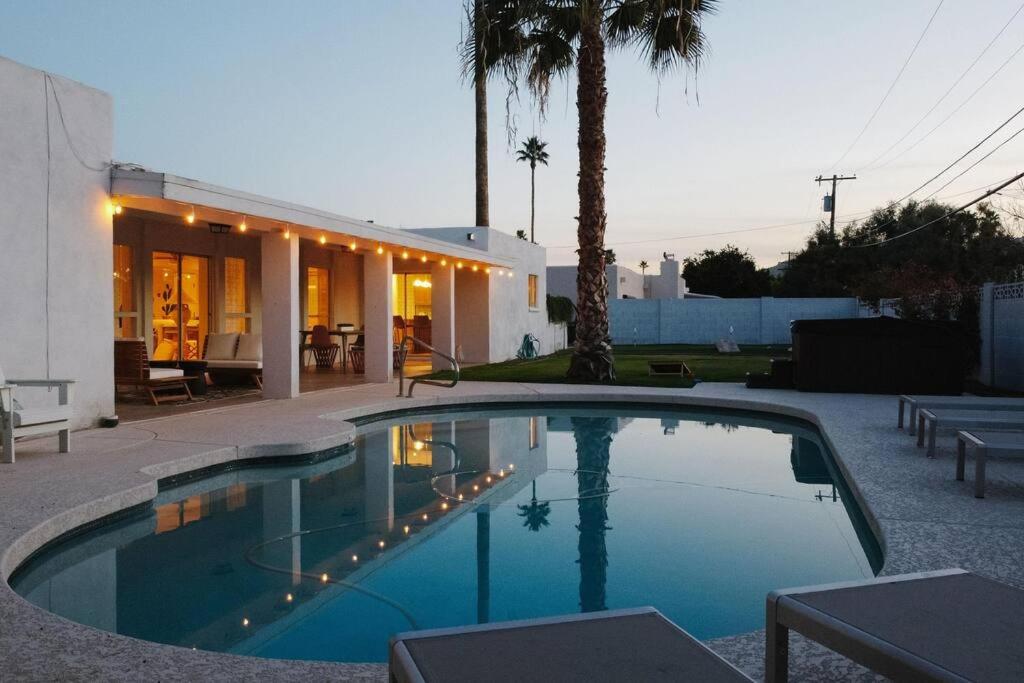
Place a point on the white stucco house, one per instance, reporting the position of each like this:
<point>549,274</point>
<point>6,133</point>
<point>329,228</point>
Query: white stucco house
<point>92,250</point>
<point>626,283</point>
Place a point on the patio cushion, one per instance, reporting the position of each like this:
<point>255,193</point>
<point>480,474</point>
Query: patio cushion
<point>250,347</point>
<point>165,373</point>
<point>234,364</point>
<point>35,416</point>
<point>221,346</point>
<point>165,350</point>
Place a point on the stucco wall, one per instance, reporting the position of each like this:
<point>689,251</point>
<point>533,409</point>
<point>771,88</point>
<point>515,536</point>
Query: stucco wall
<point>56,259</point>
<point>703,321</point>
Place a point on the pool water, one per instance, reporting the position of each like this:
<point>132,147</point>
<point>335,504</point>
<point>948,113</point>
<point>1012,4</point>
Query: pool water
<point>464,518</point>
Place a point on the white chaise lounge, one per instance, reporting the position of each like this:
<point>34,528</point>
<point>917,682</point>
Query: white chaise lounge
<point>230,356</point>
<point>916,403</point>
<point>984,444</point>
<point>17,421</point>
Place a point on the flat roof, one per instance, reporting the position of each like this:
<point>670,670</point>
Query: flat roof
<point>151,190</point>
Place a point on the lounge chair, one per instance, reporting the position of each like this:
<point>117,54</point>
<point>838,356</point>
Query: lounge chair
<point>915,403</point>
<point>636,644</point>
<point>231,356</point>
<point>18,421</point>
<point>985,444</point>
<point>947,625</point>
<point>131,368</point>
<point>932,420</point>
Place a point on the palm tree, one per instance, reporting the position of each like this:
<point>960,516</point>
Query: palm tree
<point>534,152</point>
<point>535,515</point>
<point>644,265</point>
<point>567,34</point>
<point>491,45</point>
<point>593,436</point>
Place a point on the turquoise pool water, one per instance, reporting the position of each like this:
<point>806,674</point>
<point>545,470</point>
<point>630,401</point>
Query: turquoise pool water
<point>460,518</point>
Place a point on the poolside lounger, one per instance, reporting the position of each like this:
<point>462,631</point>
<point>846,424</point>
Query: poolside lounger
<point>932,420</point>
<point>947,625</point>
<point>985,444</point>
<point>915,403</point>
<point>636,644</point>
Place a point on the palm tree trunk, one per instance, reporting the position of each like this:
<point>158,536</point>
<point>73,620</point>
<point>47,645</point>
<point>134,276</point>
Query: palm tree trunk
<point>592,359</point>
<point>480,91</point>
<point>533,189</point>
<point>593,436</point>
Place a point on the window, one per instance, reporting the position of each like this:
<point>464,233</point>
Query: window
<point>236,296</point>
<point>318,297</point>
<point>410,295</point>
<point>181,310</point>
<point>531,291</point>
<point>126,313</point>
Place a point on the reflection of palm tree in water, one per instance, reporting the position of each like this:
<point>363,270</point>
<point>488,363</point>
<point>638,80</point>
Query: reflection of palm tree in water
<point>535,515</point>
<point>593,445</point>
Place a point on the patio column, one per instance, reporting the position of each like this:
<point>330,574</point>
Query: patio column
<point>379,481</point>
<point>377,321</point>
<point>442,306</point>
<point>280,302</point>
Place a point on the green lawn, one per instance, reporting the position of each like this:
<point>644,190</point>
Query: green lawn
<point>631,365</point>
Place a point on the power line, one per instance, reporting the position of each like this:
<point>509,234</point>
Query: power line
<point>689,237</point>
<point>962,156</point>
<point>892,85</point>
<point>942,99</point>
<point>993,151</point>
<point>957,109</point>
<point>943,217</point>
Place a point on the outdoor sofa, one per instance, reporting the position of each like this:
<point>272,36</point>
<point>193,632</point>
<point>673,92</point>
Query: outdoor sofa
<point>231,356</point>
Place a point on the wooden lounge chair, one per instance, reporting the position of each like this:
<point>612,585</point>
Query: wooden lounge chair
<point>131,369</point>
<point>17,421</point>
<point>947,625</point>
<point>985,444</point>
<point>916,403</point>
<point>930,421</point>
<point>636,644</point>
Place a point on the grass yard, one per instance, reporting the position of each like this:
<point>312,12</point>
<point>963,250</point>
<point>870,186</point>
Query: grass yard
<point>631,365</point>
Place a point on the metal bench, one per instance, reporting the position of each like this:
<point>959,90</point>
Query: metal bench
<point>617,645</point>
<point>932,420</point>
<point>947,625</point>
<point>985,444</point>
<point>915,403</point>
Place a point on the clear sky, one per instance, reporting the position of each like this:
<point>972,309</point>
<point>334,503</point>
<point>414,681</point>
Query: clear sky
<point>357,106</point>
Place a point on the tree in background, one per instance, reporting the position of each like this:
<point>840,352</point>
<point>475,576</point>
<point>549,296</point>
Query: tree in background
<point>534,152</point>
<point>644,265</point>
<point>491,45</point>
<point>727,272</point>
<point>609,257</point>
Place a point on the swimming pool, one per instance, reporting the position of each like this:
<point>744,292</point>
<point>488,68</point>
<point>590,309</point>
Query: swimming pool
<point>463,517</point>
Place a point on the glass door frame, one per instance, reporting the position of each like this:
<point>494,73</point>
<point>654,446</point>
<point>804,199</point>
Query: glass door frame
<point>179,257</point>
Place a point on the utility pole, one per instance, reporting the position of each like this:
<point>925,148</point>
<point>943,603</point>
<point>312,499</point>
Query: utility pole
<point>835,178</point>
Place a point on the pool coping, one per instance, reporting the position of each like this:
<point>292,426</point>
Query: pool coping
<point>43,643</point>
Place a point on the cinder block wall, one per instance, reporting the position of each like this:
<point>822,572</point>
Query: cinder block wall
<point>56,292</point>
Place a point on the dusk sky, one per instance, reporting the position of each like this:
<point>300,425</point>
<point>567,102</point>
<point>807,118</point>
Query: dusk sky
<point>359,108</point>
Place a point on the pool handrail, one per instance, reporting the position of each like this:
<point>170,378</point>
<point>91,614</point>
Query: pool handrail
<point>415,380</point>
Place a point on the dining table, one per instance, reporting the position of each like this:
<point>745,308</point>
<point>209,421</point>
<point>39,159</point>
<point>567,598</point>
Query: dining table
<point>304,335</point>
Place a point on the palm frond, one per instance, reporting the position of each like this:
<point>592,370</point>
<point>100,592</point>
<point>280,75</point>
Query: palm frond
<point>667,33</point>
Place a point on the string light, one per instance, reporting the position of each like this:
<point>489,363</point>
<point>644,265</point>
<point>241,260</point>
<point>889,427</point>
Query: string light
<point>475,267</point>
<point>351,246</point>
<point>425,517</point>
<point>355,558</point>
<point>488,479</point>
<point>245,621</point>
<point>405,255</point>
<point>406,528</point>
<point>380,544</point>
<point>444,506</point>
<point>511,465</point>
<point>510,274</point>
<point>423,258</point>
<point>242,227</point>
<point>190,217</point>
<point>487,270</point>
<point>444,262</point>
<point>289,597</point>
<point>323,577</point>
<point>323,239</point>
<point>114,208</point>
<point>287,233</point>
<point>459,265</point>
<point>476,487</point>
<point>460,496</point>
<point>380,249</point>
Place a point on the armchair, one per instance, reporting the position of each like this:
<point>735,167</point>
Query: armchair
<point>17,421</point>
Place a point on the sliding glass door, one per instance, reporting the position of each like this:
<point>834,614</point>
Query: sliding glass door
<point>181,305</point>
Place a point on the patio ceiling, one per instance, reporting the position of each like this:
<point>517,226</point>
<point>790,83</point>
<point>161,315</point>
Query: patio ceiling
<point>173,195</point>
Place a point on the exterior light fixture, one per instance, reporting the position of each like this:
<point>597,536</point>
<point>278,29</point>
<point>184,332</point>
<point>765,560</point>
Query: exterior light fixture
<point>289,597</point>
<point>287,234</point>
<point>405,255</point>
<point>459,265</point>
<point>351,246</point>
<point>444,262</point>
<point>487,270</point>
<point>220,228</point>
<point>475,267</point>
<point>444,506</point>
<point>380,249</point>
<point>114,208</point>
<point>190,217</point>
<point>406,528</point>
<point>355,558</point>
<point>423,258</point>
<point>425,517</point>
<point>245,621</point>
<point>380,544</point>
<point>460,496</point>
<point>242,227</point>
<point>510,273</point>
<point>323,577</point>
<point>323,239</point>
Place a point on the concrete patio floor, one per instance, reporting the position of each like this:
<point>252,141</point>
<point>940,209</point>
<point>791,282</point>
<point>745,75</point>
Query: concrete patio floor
<point>923,518</point>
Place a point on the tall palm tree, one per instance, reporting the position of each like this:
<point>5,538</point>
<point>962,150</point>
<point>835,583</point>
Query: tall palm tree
<point>644,265</point>
<point>535,515</point>
<point>573,34</point>
<point>534,152</point>
<point>593,436</point>
<point>492,45</point>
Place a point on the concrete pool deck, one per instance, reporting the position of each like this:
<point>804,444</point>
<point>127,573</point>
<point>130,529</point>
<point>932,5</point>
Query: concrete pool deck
<point>924,519</point>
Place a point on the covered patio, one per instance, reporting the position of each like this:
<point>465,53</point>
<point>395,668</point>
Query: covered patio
<point>254,298</point>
